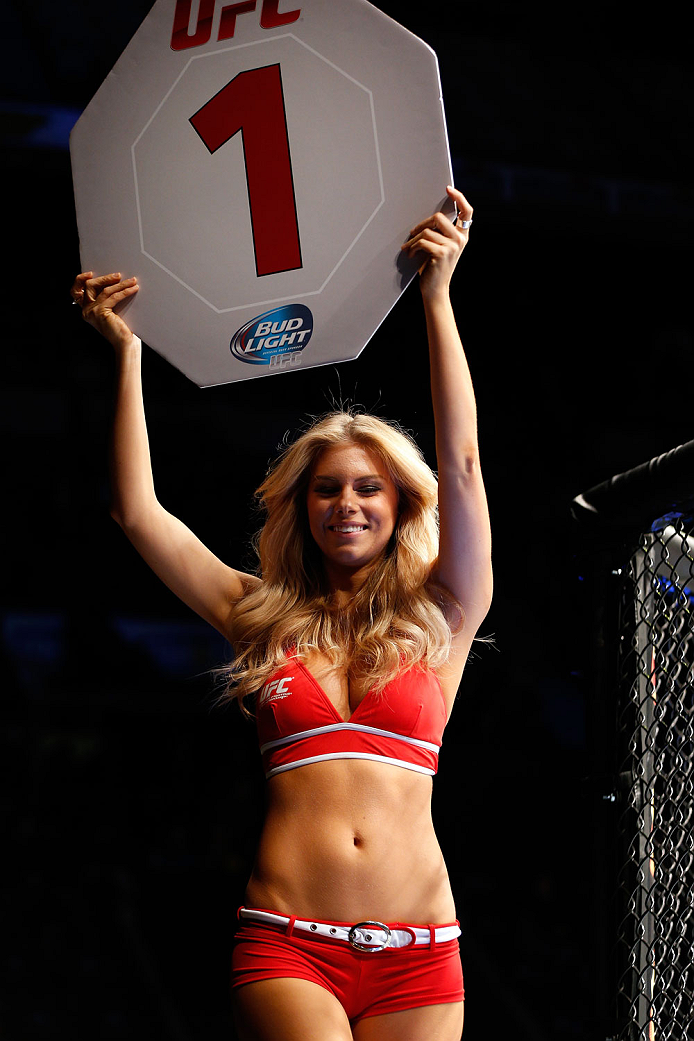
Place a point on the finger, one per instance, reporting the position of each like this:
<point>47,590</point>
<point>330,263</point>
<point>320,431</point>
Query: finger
<point>429,235</point>
<point>77,288</point>
<point>430,222</point>
<point>463,218</point>
<point>93,286</point>
<point>104,280</point>
<point>444,225</point>
<point>460,201</point>
<point>428,232</point>
<point>438,223</point>
<point>109,290</point>
<point>117,295</point>
<point>429,249</point>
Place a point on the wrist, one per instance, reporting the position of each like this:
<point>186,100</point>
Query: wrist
<point>435,298</point>
<point>128,354</point>
<point>129,345</point>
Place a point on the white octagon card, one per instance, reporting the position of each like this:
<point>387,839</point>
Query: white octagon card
<point>258,170</point>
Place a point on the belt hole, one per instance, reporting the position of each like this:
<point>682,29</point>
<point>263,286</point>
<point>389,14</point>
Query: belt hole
<point>313,927</point>
<point>333,930</point>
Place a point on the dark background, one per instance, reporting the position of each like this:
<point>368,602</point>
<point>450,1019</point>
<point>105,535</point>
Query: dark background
<point>132,804</point>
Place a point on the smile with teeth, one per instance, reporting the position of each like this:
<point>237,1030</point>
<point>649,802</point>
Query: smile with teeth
<point>347,529</point>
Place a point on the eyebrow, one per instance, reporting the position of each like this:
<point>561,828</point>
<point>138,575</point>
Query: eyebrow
<point>362,477</point>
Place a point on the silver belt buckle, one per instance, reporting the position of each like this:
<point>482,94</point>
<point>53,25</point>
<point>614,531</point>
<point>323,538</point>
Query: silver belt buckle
<point>369,948</point>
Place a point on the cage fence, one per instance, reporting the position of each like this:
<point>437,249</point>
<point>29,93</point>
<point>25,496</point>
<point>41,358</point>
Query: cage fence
<point>656,734</point>
<point>647,665</point>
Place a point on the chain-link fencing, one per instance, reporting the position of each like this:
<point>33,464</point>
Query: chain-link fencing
<point>656,741</point>
<point>646,667</point>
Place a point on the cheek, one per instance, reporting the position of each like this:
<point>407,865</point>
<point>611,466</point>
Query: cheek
<point>314,515</point>
<point>387,523</point>
<point>394,519</point>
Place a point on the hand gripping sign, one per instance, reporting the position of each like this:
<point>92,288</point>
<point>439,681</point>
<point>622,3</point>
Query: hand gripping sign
<point>258,169</point>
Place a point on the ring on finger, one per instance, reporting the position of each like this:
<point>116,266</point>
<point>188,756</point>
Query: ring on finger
<point>464,223</point>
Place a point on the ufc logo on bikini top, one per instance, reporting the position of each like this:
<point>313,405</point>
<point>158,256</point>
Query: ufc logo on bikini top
<point>275,690</point>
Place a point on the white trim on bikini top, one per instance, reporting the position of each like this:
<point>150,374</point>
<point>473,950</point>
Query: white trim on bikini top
<point>430,746</point>
<point>351,755</point>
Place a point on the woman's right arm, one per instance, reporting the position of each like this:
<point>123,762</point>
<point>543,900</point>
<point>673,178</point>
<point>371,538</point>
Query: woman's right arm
<point>173,552</point>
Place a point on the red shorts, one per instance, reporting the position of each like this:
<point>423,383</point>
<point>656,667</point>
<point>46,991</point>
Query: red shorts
<point>368,983</point>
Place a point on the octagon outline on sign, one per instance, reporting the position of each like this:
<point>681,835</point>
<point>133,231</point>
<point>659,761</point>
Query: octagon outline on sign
<point>273,300</point>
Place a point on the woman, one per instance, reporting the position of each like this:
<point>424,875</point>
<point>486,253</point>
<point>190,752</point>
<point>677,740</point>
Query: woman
<point>353,641</point>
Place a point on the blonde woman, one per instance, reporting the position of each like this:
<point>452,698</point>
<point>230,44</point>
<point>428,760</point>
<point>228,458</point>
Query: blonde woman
<point>351,642</point>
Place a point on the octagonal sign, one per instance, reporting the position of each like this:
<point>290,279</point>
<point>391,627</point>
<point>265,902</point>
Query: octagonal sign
<point>258,170</point>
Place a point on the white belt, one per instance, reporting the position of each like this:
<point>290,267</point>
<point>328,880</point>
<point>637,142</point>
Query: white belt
<point>363,936</point>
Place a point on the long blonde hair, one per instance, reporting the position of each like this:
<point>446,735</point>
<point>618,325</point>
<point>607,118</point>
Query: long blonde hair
<point>395,621</point>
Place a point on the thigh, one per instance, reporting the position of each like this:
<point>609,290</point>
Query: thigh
<point>289,1010</point>
<point>428,1023</point>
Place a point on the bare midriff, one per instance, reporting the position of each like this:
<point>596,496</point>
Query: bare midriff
<point>350,841</point>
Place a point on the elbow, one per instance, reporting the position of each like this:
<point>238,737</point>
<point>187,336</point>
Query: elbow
<point>124,519</point>
<point>485,592</point>
<point>464,465</point>
<point>477,611</point>
<point>133,513</point>
<point>121,514</point>
<point>469,464</point>
<point>488,598</point>
<point>485,596</point>
<point>116,515</point>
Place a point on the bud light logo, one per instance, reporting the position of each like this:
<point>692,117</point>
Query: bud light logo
<point>275,338</point>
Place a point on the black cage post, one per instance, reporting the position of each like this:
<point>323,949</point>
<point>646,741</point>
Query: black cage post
<point>637,546</point>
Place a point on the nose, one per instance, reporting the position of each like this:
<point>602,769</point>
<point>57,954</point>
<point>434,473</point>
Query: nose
<point>345,501</point>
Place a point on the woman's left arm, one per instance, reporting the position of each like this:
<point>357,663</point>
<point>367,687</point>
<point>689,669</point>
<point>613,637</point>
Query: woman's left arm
<point>464,563</point>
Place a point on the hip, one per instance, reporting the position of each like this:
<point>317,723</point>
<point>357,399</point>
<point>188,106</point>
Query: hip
<point>372,968</point>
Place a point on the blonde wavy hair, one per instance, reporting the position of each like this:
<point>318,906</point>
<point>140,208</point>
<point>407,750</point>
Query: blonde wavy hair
<point>399,616</point>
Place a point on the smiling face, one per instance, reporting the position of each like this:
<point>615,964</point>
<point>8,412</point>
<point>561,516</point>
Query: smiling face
<point>352,505</point>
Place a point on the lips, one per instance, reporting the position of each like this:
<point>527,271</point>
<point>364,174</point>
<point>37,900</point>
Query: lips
<point>347,529</point>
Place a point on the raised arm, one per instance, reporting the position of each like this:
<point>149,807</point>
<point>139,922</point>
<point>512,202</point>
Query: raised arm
<point>177,556</point>
<point>464,564</point>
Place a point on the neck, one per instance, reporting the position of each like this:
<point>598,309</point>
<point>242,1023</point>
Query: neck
<point>345,583</point>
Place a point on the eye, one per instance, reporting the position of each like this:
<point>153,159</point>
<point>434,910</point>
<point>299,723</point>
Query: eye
<point>369,489</point>
<point>326,489</point>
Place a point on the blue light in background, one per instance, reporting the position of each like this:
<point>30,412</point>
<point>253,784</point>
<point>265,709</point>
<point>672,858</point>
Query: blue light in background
<point>27,125</point>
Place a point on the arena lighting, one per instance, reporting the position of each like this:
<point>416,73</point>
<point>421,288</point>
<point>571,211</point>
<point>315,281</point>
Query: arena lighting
<point>666,585</point>
<point>26,125</point>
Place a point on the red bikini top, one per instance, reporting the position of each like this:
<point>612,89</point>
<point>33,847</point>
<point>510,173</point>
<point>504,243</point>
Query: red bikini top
<point>402,725</point>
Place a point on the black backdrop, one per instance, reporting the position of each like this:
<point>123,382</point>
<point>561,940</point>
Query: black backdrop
<point>132,804</point>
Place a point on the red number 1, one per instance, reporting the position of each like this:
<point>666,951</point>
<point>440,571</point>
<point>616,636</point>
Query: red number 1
<point>253,103</point>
